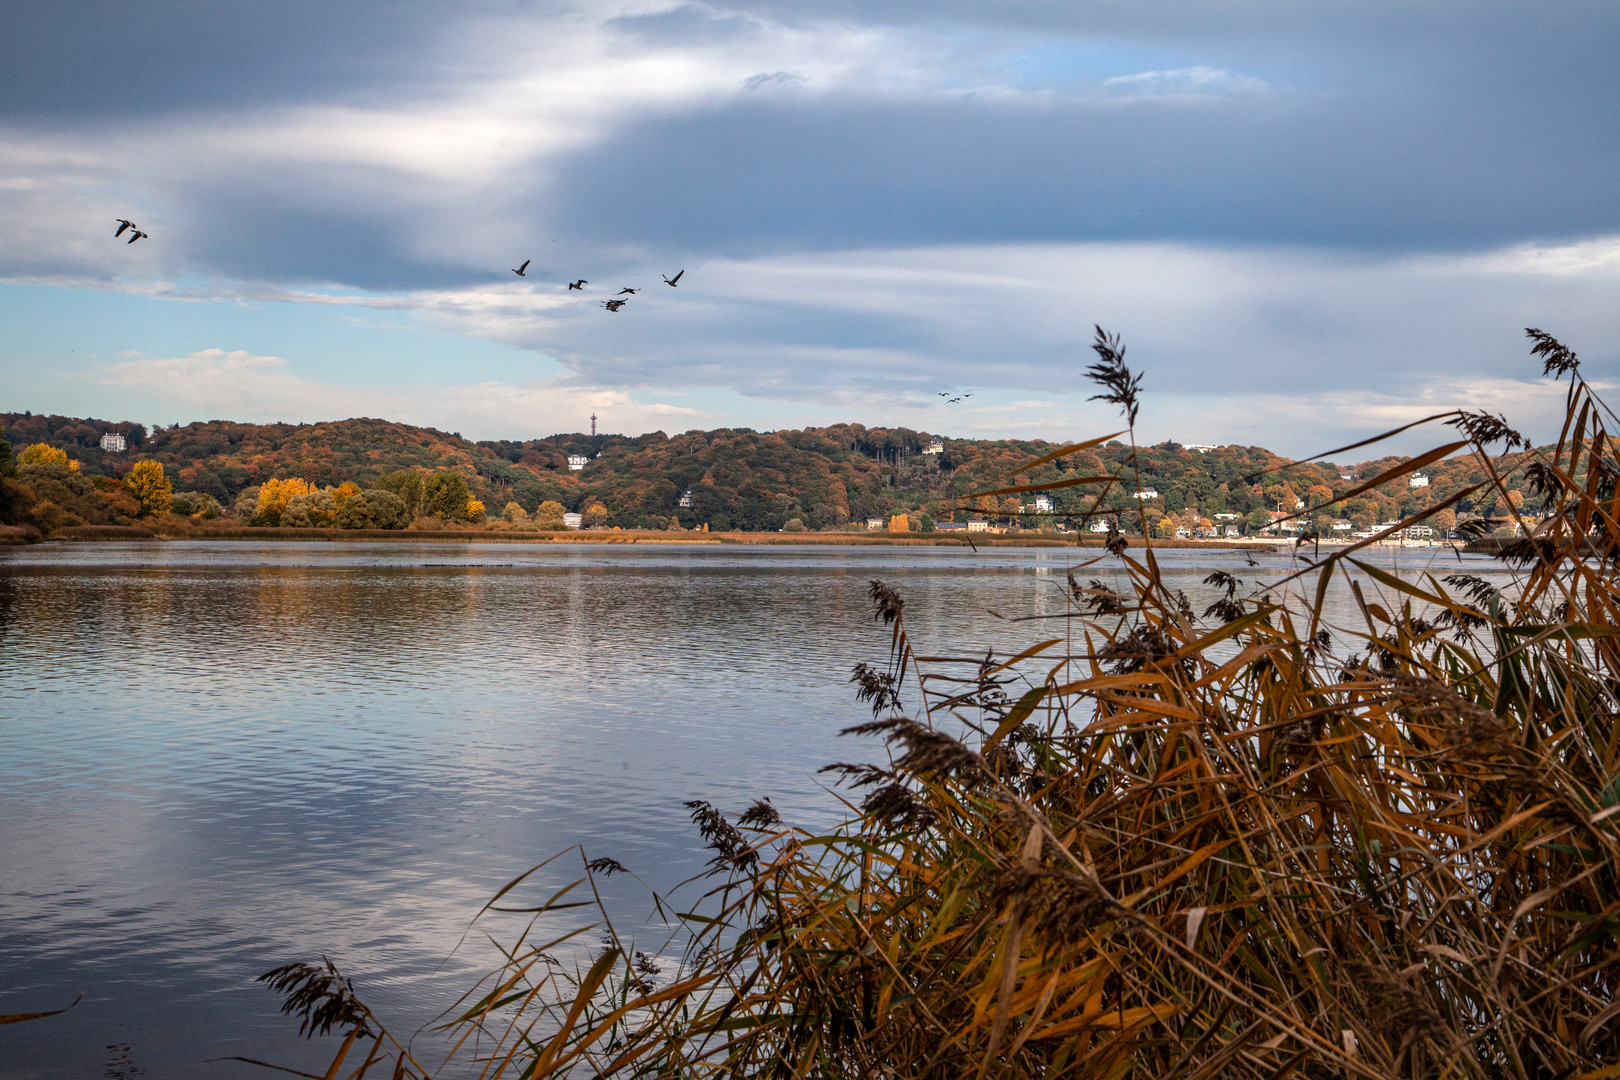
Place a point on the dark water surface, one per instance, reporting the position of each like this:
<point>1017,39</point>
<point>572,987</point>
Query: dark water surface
<point>215,758</point>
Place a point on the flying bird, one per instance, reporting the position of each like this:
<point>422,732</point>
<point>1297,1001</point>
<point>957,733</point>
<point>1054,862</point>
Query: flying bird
<point>952,401</point>
<point>631,291</point>
<point>122,225</point>
<point>578,284</point>
<point>520,270</point>
<point>614,305</point>
<point>670,281</point>
<point>136,235</point>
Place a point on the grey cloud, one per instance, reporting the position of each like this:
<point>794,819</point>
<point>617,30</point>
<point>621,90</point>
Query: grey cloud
<point>1362,172</point>
<point>103,61</point>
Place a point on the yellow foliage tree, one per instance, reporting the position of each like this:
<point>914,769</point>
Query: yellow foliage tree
<point>475,511</point>
<point>344,492</point>
<point>514,514</point>
<point>899,523</point>
<point>595,516</point>
<point>150,487</point>
<point>45,454</point>
<point>275,494</point>
<point>549,514</point>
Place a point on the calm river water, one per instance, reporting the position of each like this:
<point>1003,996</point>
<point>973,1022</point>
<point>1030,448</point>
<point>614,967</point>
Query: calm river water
<point>216,758</point>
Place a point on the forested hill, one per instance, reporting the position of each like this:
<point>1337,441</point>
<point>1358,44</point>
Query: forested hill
<point>740,479</point>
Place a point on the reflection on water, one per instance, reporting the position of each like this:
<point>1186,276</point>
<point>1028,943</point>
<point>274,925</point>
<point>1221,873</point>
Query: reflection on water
<point>218,757</point>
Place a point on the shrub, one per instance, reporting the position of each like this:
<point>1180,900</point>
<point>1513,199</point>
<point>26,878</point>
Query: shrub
<point>794,525</point>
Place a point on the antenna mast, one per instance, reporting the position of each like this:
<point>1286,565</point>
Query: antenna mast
<point>593,425</point>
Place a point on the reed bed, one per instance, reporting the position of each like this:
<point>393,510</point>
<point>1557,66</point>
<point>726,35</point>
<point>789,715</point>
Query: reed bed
<point>1158,842</point>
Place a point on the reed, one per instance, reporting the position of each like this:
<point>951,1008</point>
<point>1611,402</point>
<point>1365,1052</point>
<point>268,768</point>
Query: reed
<point>1160,842</point>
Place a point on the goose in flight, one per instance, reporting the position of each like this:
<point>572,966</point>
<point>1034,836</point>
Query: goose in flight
<point>578,284</point>
<point>670,281</point>
<point>136,235</point>
<point>122,225</point>
<point>520,270</point>
<point>627,289</point>
<point>614,305</point>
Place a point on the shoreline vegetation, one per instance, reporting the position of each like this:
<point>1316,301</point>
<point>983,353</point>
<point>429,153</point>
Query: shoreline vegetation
<point>69,475</point>
<point>1236,842</point>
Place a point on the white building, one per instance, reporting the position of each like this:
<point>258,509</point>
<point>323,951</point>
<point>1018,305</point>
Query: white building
<point>113,441</point>
<point>1147,493</point>
<point>578,461</point>
<point>936,447</point>
<point>876,523</point>
<point>685,499</point>
<point>1342,526</point>
<point>1102,525</point>
<point>1042,503</point>
<point>978,526</point>
<point>1417,481</point>
<point>1198,448</point>
<point>1233,530</point>
<point>573,521</point>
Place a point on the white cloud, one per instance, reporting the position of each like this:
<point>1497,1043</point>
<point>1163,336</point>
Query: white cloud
<point>1187,80</point>
<point>241,386</point>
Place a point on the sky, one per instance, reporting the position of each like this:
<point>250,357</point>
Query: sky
<point>1308,222</point>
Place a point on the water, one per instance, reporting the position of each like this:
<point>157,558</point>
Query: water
<point>216,758</point>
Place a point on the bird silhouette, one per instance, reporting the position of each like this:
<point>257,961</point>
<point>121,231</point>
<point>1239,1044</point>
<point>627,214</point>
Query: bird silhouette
<point>670,281</point>
<point>952,401</point>
<point>943,394</point>
<point>627,289</point>
<point>578,284</point>
<point>614,305</point>
<point>520,270</point>
<point>122,225</point>
<point>136,235</point>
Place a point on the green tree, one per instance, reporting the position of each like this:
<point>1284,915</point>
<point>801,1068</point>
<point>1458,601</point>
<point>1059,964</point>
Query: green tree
<point>1258,519</point>
<point>407,486</point>
<point>8,465</point>
<point>150,487</point>
<point>444,495</point>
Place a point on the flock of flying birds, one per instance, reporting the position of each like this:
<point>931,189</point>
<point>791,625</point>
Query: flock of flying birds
<point>613,304</point>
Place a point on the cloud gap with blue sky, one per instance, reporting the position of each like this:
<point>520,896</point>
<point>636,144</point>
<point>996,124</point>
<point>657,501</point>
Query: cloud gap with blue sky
<point>1307,222</point>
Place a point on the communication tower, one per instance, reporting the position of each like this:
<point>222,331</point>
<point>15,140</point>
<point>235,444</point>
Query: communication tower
<point>593,425</point>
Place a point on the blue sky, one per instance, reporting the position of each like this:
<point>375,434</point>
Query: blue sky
<point>1308,221</point>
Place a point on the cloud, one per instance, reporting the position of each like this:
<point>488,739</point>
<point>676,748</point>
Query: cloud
<point>1189,80</point>
<point>214,383</point>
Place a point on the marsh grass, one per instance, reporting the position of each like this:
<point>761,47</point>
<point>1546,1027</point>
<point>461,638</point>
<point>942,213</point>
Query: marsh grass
<point>1161,843</point>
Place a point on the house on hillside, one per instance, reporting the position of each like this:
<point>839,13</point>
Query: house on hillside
<point>685,500</point>
<point>1198,448</point>
<point>1042,503</point>
<point>1147,493</point>
<point>114,442</point>
<point>1417,480</point>
<point>936,447</point>
<point>1102,525</point>
<point>577,462</point>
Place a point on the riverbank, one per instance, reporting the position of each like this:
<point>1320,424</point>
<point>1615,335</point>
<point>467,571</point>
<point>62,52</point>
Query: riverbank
<point>163,531</point>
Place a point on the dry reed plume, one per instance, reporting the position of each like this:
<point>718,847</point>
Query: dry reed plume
<point>1164,843</point>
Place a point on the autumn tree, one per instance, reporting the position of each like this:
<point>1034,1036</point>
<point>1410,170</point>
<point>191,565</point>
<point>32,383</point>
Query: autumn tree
<point>514,514</point>
<point>274,496</point>
<point>45,454</point>
<point>474,511</point>
<point>149,485</point>
<point>595,516</point>
<point>549,514</point>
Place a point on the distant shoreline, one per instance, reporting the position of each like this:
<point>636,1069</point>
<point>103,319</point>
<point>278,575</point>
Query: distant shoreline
<point>110,534</point>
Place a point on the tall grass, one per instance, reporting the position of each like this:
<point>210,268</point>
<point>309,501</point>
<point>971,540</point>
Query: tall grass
<point>1158,843</point>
